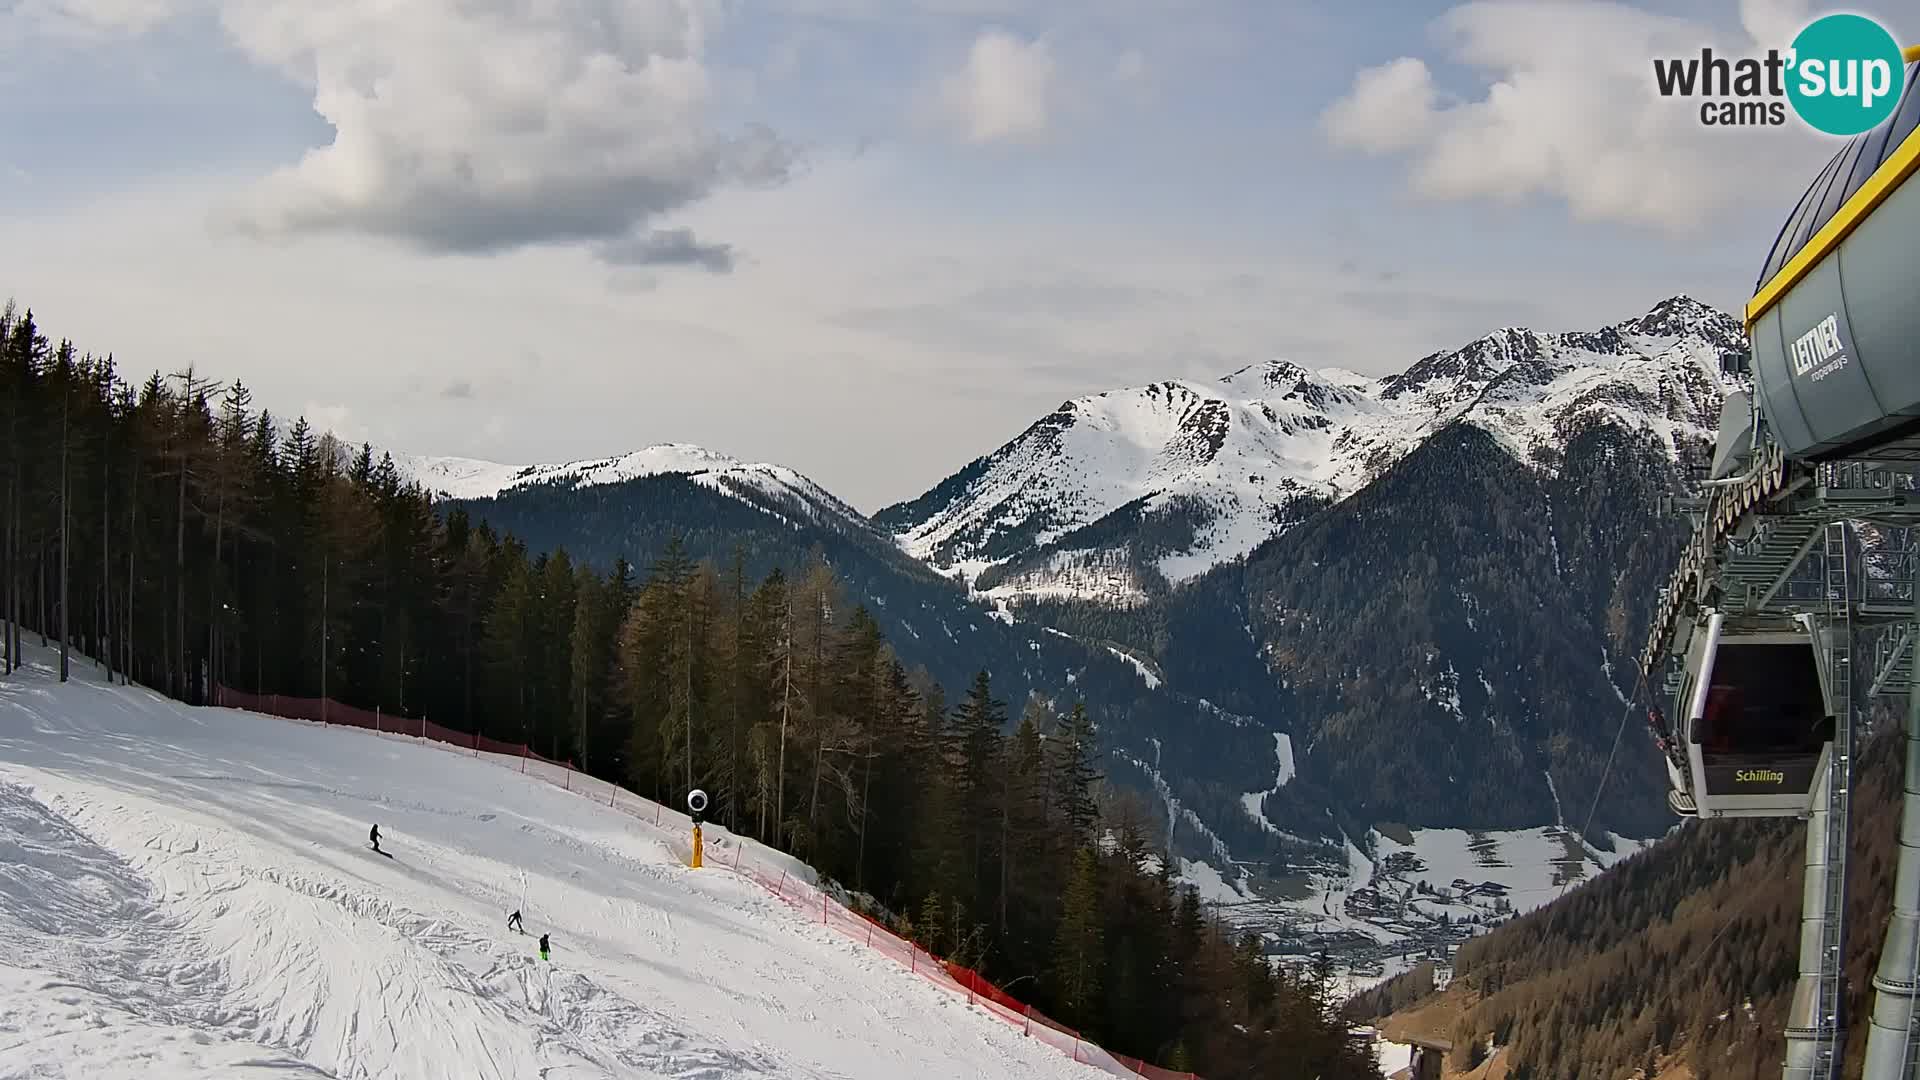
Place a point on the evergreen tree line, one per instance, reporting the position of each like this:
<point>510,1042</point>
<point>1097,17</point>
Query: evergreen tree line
<point>184,539</point>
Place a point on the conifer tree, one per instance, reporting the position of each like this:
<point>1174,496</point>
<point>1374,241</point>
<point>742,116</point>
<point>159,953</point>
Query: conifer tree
<point>1078,954</point>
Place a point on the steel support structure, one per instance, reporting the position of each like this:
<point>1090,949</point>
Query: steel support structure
<point>1778,544</point>
<point>1893,1048</point>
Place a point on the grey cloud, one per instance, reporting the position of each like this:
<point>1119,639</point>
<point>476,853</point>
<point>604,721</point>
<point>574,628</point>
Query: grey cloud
<point>457,390</point>
<point>668,247</point>
<point>478,129</point>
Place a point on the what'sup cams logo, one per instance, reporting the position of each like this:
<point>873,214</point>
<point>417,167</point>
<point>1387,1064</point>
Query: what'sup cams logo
<point>1842,76</point>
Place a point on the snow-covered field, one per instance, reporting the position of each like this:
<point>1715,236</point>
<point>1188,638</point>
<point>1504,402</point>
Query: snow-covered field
<point>190,892</point>
<point>1531,863</point>
<point>1373,914</point>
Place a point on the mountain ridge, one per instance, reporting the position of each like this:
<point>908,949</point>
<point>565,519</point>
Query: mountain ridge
<point>1533,463</point>
<point>1121,495</point>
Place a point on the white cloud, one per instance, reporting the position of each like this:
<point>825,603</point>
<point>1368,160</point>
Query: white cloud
<point>1004,91</point>
<point>1568,110</point>
<point>479,127</point>
<point>1774,23</point>
<point>870,341</point>
<point>878,300</point>
<point>1391,107</point>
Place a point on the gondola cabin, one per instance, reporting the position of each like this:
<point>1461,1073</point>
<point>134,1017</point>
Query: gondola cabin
<point>1758,723</point>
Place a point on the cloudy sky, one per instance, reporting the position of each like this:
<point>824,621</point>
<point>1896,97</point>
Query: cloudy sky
<point>867,238</point>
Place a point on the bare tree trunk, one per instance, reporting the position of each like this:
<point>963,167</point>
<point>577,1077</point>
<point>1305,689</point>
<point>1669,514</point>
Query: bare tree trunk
<point>466,634</point>
<point>733,699</point>
<point>107,635</point>
<point>213,580</point>
<point>19,571</point>
<point>66,538</point>
<point>786,700</point>
<point>133,545</point>
<point>324,563</point>
<point>180,580</point>
<point>819,759</point>
<point>815,702</point>
<point>1006,802</point>
<point>10,541</point>
<point>42,615</point>
<point>259,649</point>
<point>6,585</point>
<point>866,788</point>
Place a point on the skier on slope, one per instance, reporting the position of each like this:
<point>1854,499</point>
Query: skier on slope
<point>375,837</point>
<point>543,946</point>
<point>513,923</point>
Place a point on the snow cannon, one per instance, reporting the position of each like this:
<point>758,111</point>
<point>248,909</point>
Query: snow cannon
<point>1833,325</point>
<point>697,806</point>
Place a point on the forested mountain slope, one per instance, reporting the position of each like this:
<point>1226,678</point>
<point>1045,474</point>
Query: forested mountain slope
<point>1436,639</point>
<point>1686,949</point>
<point>188,541</point>
<point>1152,734</point>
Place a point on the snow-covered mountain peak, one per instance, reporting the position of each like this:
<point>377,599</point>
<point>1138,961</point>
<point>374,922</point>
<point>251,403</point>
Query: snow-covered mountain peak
<point>1679,315</point>
<point>1209,471</point>
<point>1276,381</point>
<point>468,478</point>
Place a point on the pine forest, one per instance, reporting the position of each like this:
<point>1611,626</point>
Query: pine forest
<point>175,534</point>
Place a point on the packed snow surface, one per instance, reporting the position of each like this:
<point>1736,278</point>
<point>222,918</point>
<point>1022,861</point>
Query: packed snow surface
<point>1254,802</point>
<point>190,892</point>
<point>1283,749</point>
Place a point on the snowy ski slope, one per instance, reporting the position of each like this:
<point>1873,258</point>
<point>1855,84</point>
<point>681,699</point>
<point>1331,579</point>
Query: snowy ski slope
<point>189,892</point>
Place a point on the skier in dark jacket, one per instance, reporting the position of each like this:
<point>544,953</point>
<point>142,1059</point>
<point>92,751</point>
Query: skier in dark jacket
<point>543,946</point>
<point>375,837</point>
<point>513,923</point>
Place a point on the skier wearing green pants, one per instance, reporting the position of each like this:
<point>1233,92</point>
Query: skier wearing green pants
<point>543,946</point>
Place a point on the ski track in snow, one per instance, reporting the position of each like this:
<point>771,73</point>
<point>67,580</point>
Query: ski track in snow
<point>189,892</point>
<point>1254,802</point>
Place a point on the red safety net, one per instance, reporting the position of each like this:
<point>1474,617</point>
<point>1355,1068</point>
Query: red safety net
<point>722,850</point>
<point>435,733</point>
<point>496,746</point>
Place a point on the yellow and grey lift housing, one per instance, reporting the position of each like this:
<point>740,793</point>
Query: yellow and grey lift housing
<point>1756,723</point>
<point>1833,320</point>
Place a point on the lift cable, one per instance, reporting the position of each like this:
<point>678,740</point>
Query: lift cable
<point>1625,715</point>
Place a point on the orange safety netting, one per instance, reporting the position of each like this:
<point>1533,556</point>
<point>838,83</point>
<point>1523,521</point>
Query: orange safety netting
<point>806,898</point>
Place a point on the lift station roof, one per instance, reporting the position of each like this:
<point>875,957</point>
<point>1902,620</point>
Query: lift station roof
<point>1835,317</point>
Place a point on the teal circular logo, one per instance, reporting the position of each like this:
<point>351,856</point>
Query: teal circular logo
<point>1845,74</point>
